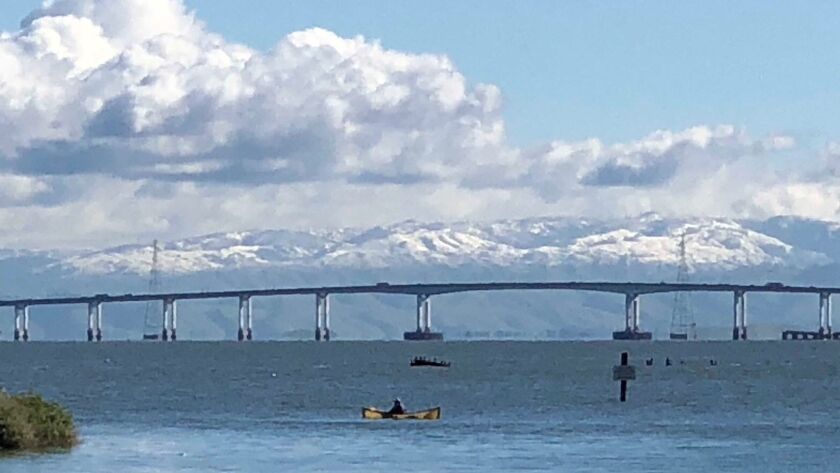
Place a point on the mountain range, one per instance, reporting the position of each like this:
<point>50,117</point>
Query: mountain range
<point>787,249</point>
<point>713,244</point>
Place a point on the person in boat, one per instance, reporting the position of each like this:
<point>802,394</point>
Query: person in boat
<point>397,408</point>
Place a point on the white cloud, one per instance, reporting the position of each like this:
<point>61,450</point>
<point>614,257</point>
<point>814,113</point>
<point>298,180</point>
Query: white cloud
<point>661,163</point>
<point>144,78</point>
<point>16,189</point>
<point>131,116</point>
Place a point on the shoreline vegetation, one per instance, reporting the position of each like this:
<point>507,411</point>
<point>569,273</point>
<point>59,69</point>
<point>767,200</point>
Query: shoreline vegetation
<point>30,423</point>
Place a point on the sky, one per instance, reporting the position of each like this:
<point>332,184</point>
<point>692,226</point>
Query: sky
<point>126,120</point>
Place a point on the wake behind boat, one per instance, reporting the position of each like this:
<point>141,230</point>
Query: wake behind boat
<point>372,413</point>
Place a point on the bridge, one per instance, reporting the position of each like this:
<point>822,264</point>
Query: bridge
<point>632,292</point>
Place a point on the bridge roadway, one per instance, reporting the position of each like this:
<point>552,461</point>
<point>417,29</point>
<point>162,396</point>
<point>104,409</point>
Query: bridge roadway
<point>631,290</point>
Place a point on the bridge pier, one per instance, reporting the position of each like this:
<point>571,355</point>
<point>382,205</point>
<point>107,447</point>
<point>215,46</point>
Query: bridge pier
<point>25,334</point>
<point>98,333</point>
<point>421,307</point>
<point>94,330</point>
<point>427,311</point>
<point>18,317</point>
<point>249,322</point>
<point>824,333</point>
<point>171,307</point>
<point>632,318</point>
<point>244,318</point>
<point>326,317</point>
<point>736,316</point>
<point>739,314</point>
<point>424,321</point>
<point>424,313</point>
<point>821,331</point>
<point>164,334</point>
<point>170,321</point>
<point>21,323</point>
<point>322,317</point>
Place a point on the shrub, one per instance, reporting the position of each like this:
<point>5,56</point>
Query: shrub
<point>28,422</point>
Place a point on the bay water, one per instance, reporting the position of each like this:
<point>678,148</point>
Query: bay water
<point>507,406</point>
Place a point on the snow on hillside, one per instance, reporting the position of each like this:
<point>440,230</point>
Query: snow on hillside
<point>720,243</point>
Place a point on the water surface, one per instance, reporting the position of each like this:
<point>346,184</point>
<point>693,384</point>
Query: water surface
<point>531,406</point>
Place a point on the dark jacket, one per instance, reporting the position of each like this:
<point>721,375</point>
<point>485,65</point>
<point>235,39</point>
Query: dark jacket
<point>397,408</point>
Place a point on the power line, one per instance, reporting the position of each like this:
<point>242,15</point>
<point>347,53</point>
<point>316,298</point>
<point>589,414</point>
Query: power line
<point>682,318</point>
<point>151,330</point>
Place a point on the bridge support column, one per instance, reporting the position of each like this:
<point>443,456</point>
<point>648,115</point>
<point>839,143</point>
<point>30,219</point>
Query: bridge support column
<point>164,334</point>
<point>736,315</point>
<point>21,323</point>
<point>422,307</point>
<point>421,322</point>
<point>824,332</point>
<point>637,313</point>
<point>821,331</point>
<point>317,317</point>
<point>18,321</point>
<point>744,316</point>
<point>631,312</point>
<point>244,317</point>
<point>427,315</point>
<point>632,318</point>
<point>739,314</point>
<point>170,311</point>
<point>93,308</point>
<point>326,317</point>
<point>424,321</point>
<point>249,322</point>
<point>322,317</point>
<point>25,334</point>
<point>98,322</point>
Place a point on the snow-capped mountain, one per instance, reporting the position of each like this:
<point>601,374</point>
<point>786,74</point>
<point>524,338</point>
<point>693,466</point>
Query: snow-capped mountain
<point>650,240</point>
<point>785,249</point>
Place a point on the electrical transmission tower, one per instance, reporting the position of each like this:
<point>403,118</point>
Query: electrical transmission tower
<point>151,330</point>
<point>682,317</point>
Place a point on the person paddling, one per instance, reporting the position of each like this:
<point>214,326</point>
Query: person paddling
<point>397,408</point>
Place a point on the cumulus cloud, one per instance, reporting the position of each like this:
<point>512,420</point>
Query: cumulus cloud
<point>132,115</point>
<point>140,88</point>
<point>681,162</point>
<point>655,160</point>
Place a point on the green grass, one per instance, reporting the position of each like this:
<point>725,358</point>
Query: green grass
<point>28,422</point>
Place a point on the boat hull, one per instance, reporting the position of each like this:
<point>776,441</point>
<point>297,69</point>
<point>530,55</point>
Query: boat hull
<point>426,362</point>
<point>371,413</point>
<point>416,336</point>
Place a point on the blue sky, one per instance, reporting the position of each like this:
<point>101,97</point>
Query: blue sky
<point>160,127</point>
<point>571,70</point>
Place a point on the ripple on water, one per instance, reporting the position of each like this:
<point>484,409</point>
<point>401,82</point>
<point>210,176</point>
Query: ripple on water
<point>506,405</point>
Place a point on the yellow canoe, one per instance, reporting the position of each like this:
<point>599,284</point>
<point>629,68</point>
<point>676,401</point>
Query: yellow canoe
<point>372,413</point>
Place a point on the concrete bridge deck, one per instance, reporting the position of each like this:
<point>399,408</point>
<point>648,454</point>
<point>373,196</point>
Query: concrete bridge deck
<point>631,290</point>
